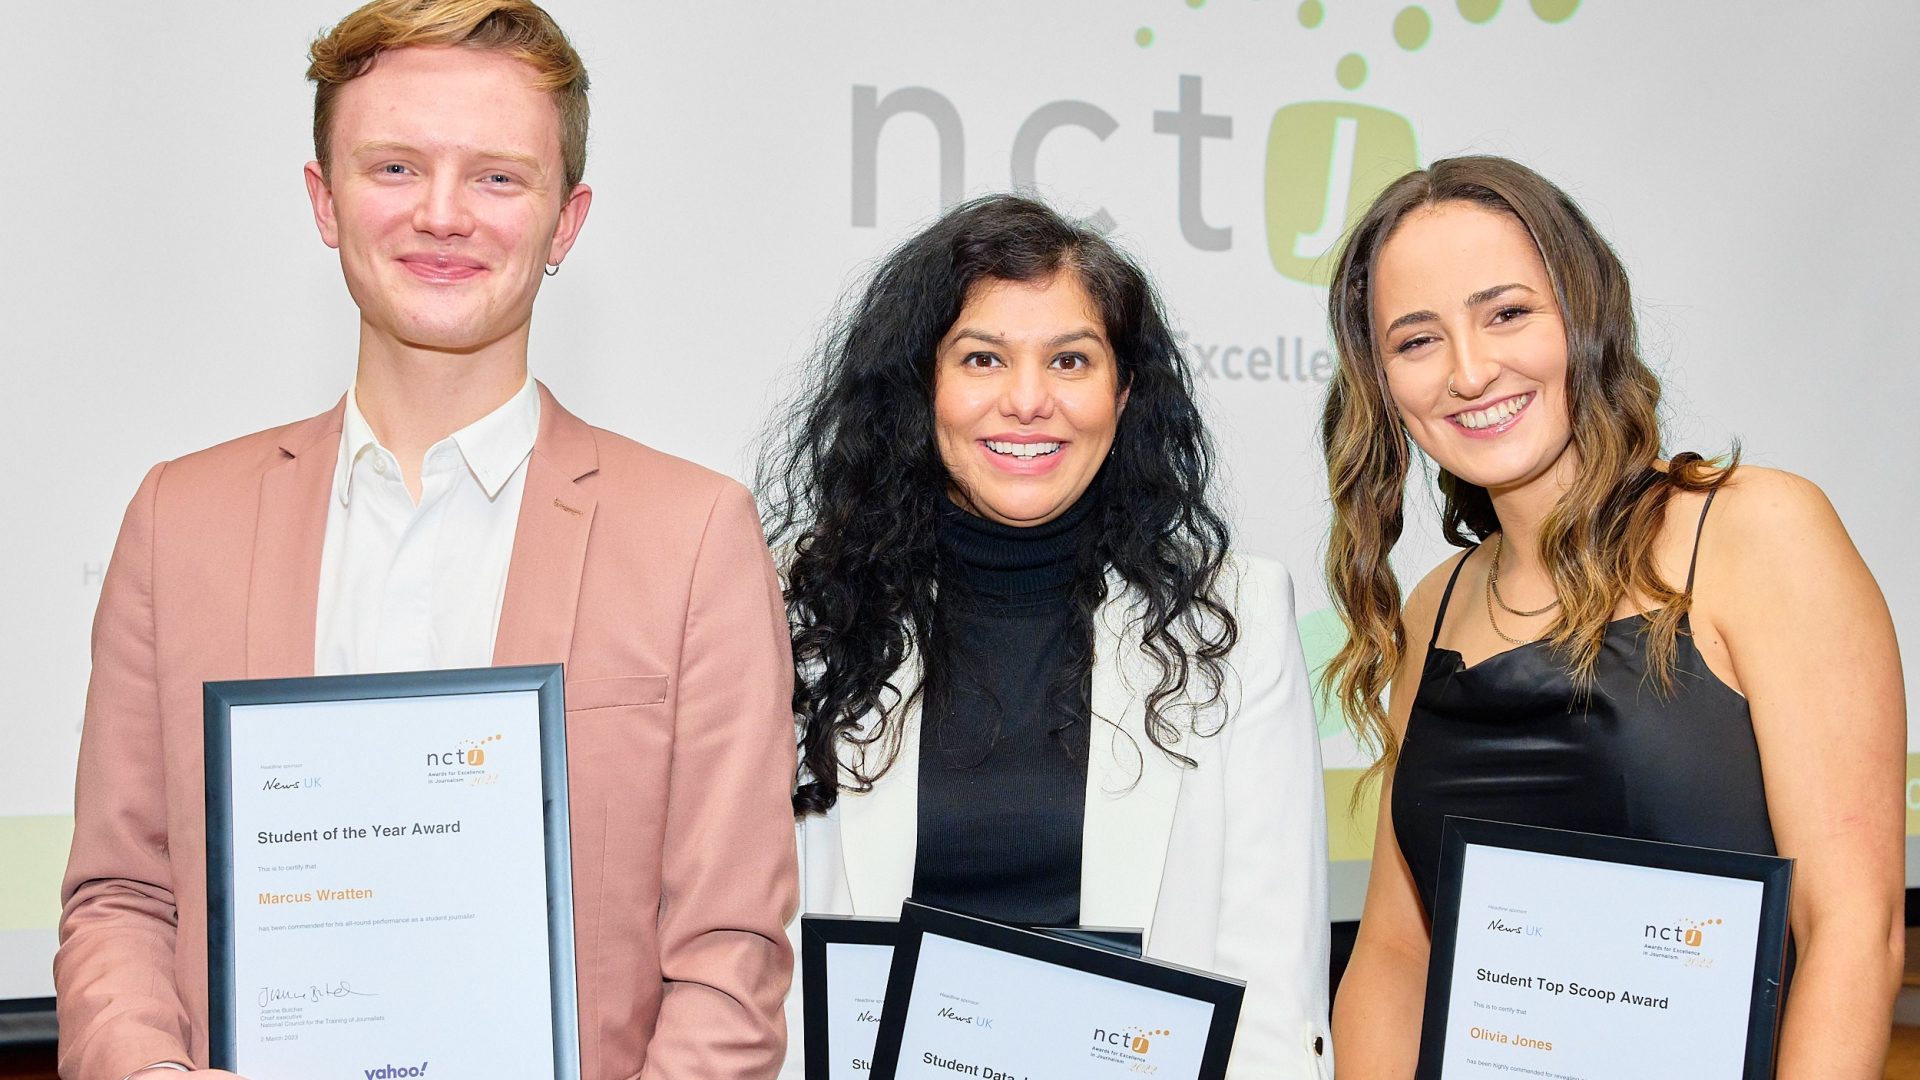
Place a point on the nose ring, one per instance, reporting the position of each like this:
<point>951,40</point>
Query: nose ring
<point>1451,392</point>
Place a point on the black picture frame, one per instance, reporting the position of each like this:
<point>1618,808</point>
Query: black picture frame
<point>546,680</point>
<point>1770,945</point>
<point>817,932</point>
<point>918,920</point>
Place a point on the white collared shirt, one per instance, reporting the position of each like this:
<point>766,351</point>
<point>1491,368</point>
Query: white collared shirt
<point>406,586</point>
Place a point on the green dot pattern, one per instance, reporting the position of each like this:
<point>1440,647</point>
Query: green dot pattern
<point>1555,11</point>
<point>1311,13</point>
<point>1479,11</point>
<point>1351,71</point>
<point>1143,37</point>
<point>1412,27</point>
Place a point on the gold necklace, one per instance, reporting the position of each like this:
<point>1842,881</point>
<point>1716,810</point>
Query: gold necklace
<point>1493,585</point>
<point>1493,591</point>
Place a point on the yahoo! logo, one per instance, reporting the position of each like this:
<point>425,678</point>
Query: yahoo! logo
<point>393,1072</point>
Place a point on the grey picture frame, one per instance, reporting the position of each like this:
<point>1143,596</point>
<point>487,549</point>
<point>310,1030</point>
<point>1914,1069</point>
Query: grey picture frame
<point>546,680</point>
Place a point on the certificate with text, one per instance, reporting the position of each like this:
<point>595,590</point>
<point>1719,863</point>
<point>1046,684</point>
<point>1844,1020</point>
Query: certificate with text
<point>845,963</point>
<point>389,882</point>
<point>970,997</point>
<point>1572,956</point>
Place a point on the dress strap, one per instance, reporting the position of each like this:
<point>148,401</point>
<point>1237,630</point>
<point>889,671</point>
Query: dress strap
<point>1697,531</point>
<point>1441,615</point>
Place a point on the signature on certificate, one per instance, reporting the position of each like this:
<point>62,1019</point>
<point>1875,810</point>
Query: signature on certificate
<point>321,991</point>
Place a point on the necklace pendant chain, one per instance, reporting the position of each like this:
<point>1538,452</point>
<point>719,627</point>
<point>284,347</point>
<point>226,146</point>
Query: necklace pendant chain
<point>1493,585</point>
<point>1495,623</point>
<point>1493,596</point>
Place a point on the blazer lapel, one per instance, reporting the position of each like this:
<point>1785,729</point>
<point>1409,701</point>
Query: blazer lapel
<point>1132,789</point>
<point>880,829</point>
<point>549,542</point>
<point>283,591</point>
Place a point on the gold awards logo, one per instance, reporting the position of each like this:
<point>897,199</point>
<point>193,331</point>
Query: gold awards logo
<point>464,763</point>
<point>1682,939</point>
<point>1128,1045</point>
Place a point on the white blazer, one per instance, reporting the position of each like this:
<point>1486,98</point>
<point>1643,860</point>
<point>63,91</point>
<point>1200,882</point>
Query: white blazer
<point>1224,864</point>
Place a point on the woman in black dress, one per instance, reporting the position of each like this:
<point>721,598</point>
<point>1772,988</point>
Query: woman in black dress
<point>1607,655</point>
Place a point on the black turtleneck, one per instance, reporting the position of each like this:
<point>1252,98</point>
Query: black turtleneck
<point>1004,742</point>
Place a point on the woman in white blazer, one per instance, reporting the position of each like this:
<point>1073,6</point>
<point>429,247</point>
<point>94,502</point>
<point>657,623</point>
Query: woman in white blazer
<point>1033,684</point>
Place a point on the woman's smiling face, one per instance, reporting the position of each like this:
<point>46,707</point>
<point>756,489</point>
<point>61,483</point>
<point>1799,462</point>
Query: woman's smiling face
<point>1473,344</point>
<point>1026,398</point>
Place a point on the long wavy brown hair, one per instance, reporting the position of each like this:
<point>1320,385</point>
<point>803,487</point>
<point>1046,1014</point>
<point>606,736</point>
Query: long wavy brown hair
<point>1598,540</point>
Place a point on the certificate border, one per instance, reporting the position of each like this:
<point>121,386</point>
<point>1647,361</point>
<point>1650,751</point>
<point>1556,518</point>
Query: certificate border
<point>1774,874</point>
<point>917,920</point>
<point>816,933</point>
<point>547,680</point>
<point>819,931</point>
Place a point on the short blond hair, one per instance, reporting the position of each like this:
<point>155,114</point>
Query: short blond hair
<point>518,28</point>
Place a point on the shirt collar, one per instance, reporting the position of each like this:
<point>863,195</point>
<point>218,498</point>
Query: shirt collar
<point>498,442</point>
<point>356,437</point>
<point>492,446</point>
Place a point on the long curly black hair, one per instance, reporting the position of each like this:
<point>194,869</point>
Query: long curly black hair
<point>852,483</point>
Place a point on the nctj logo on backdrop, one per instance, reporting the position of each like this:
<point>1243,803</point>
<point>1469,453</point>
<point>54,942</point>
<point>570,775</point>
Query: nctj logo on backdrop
<point>1325,162</point>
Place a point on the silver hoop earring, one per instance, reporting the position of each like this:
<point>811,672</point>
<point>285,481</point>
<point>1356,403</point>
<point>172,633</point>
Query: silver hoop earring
<point>552,269</point>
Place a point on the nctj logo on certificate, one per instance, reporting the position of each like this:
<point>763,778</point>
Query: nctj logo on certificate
<point>465,763</point>
<point>1127,1045</point>
<point>1683,939</point>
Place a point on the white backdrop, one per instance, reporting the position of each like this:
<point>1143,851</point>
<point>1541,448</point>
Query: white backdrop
<point>166,290</point>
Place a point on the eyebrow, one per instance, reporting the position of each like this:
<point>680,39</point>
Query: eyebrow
<point>531,164</point>
<point>1052,343</point>
<point>1473,301</point>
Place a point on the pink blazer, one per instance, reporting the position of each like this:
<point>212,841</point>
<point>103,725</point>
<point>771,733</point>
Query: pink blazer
<point>633,568</point>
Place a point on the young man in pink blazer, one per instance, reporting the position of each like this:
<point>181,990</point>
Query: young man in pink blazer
<point>449,513</point>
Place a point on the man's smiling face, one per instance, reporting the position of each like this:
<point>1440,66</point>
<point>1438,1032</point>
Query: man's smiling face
<point>446,195</point>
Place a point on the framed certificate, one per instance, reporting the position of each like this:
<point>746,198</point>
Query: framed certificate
<point>845,961</point>
<point>971,997</point>
<point>388,875</point>
<point>1569,954</point>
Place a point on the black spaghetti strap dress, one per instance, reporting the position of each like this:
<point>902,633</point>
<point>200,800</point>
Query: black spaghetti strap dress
<point>1508,739</point>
